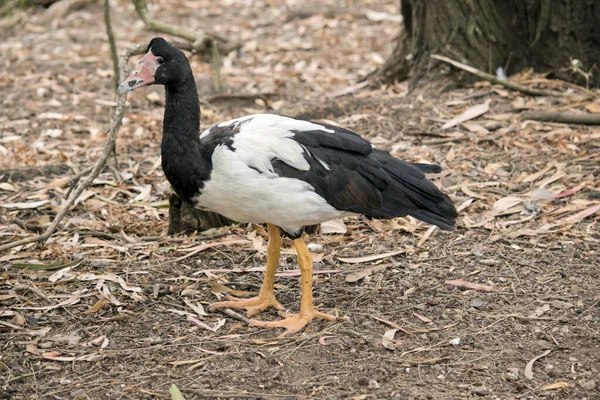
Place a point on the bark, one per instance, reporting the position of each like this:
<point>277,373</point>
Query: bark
<point>545,35</point>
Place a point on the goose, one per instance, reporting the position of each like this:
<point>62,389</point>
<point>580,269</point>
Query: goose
<point>281,171</point>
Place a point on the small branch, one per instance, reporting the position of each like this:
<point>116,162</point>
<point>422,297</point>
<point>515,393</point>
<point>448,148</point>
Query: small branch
<point>108,149</point>
<point>493,79</point>
<point>201,43</point>
<point>567,117</point>
<point>111,40</point>
<point>232,314</point>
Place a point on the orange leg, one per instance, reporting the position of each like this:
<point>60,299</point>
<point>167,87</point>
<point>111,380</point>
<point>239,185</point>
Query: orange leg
<point>295,322</point>
<point>266,296</point>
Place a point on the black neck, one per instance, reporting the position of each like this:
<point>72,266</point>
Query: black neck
<point>182,111</point>
<point>183,162</point>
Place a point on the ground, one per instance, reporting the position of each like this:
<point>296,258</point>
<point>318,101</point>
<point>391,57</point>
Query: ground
<point>119,310</point>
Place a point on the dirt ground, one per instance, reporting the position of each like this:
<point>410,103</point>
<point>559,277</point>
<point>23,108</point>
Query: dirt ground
<point>118,311</point>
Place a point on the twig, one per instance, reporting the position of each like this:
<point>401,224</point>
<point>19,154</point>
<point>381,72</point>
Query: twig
<point>567,117</point>
<point>201,43</point>
<point>111,40</point>
<point>491,78</point>
<point>232,314</point>
<point>76,179</point>
<point>108,149</point>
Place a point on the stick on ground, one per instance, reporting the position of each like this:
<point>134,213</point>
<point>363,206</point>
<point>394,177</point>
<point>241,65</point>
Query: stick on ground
<point>506,83</point>
<point>567,117</point>
<point>108,149</point>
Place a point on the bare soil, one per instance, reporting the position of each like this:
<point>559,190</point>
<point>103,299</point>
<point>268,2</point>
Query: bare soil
<point>124,320</point>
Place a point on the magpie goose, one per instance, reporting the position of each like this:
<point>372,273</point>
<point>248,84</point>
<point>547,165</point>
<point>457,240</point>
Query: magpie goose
<point>282,171</point>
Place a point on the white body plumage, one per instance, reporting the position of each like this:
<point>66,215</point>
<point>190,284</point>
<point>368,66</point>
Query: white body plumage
<point>243,185</point>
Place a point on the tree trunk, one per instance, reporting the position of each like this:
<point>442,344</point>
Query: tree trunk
<point>546,35</point>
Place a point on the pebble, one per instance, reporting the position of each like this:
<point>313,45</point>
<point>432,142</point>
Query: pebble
<point>479,304</point>
<point>588,385</point>
<point>512,374</point>
<point>481,391</point>
<point>315,247</point>
<point>373,384</point>
<point>363,381</point>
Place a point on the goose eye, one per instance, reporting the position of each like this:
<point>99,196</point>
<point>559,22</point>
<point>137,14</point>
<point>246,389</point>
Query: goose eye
<point>160,60</point>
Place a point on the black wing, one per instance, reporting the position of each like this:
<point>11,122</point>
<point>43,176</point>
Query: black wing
<point>353,176</point>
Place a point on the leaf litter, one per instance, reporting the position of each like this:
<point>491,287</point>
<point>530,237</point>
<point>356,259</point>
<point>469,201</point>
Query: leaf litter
<point>527,192</point>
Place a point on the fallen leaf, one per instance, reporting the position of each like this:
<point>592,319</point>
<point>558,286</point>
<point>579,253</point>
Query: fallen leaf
<point>505,203</point>
<point>573,219</point>
<point>570,191</point>
<point>333,226</point>
<point>55,356</point>
<point>7,187</point>
<point>426,235</point>
<point>470,285</point>
<point>388,339</point>
<point>74,299</point>
<point>323,340</point>
<point>356,276</point>
<point>183,362</point>
<point>556,385</point>
<point>390,323</point>
<point>465,189</point>
<point>593,107</point>
<point>96,307</point>
<point>422,318</point>
<point>198,309</point>
<point>175,393</point>
<point>46,267</point>
<point>378,16</point>
<point>26,205</point>
<point>529,366</point>
<point>59,274</point>
<point>358,260</point>
<point>204,325</point>
<point>467,115</point>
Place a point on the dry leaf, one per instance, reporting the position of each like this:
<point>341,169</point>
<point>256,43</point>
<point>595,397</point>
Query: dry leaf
<point>7,187</point>
<point>183,362</point>
<point>388,339</point>
<point>55,356</point>
<point>74,299</point>
<point>529,366</point>
<point>556,385</point>
<point>468,114</point>
<point>323,340</point>
<point>175,393</point>
<point>96,307</point>
<point>204,325</point>
<point>426,235</point>
<point>358,260</point>
<point>506,202</point>
<point>333,226</point>
<point>470,285</point>
<point>356,276</point>
<point>28,205</point>
<point>422,318</point>
<point>573,219</point>
<point>570,191</point>
<point>198,309</point>
<point>593,107</point>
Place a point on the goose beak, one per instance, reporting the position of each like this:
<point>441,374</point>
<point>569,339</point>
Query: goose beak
<point>142,75</point>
